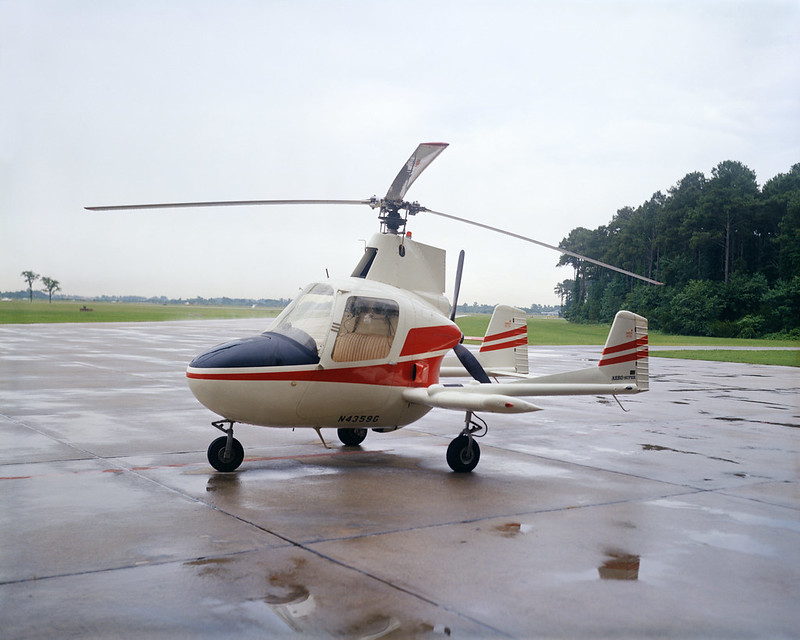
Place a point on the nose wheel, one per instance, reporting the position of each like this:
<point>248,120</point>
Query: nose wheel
<point>225,453</point>
<point>352,437</point>
<point>464,453</point>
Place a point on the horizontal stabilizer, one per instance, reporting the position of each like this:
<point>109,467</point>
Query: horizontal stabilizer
<point>461,399</point>
<point>577,387</point>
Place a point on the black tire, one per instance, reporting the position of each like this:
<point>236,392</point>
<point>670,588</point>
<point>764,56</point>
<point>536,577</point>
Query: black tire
<point>462,457</point>
<point>216,454</point>
<point>351,437</point>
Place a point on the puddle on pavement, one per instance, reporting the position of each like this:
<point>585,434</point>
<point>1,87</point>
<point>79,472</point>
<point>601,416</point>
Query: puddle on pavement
<point>293,602</point>
<point>512,529</point>
<point>619,566</point>
<point>223,482</point>
<point>284,587</point>
<point>208,566</point>
<point>297,595</point>
<point>656,447</point>
<point>776,424</point>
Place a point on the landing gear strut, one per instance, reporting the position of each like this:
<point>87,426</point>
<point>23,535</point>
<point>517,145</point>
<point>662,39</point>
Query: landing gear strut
<point>225,453</point>
<point>464,453</point>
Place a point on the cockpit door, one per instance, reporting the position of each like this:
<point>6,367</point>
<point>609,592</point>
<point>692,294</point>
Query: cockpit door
<point>355,357</point>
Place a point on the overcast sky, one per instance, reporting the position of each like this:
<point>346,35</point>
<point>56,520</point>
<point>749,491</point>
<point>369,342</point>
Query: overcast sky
<point>557,113</point>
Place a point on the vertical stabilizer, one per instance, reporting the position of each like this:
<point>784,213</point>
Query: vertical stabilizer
<point>625,356</point>
<point>505,345</point>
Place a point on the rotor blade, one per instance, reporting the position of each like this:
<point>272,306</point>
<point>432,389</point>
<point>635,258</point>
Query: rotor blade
<point>223,203</point>
<point>424,154</point>
<point>459,269</point>
<point>541,244</point>
<point>471,364</point>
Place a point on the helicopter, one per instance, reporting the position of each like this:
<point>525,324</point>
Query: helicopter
<point>368,352</point>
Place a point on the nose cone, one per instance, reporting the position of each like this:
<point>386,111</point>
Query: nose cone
<point>265,350</point>
<point>232,379</point>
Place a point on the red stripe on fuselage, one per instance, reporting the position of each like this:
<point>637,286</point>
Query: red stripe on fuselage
<point>421,340</point>
<point>401,374</point>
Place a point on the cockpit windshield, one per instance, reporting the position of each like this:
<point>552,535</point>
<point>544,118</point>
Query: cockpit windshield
<point>307,319</point>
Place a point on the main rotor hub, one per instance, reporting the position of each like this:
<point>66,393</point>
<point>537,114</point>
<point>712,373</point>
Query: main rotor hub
<point>392,220</point>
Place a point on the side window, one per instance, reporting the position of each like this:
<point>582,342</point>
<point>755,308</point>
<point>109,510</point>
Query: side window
<point>367,329</point>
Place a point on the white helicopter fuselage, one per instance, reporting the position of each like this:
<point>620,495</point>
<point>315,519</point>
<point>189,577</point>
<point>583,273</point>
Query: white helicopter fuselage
<point>340,355</point>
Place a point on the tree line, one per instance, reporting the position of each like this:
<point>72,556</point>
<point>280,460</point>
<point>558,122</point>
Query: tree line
<point>479,307</point>
<point>727,251</point>
<point>51,286</point>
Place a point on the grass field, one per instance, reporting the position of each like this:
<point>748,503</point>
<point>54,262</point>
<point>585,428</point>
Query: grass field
<point>547,331</point>
<point>779,357</point>
<point>25,312</point>
<point>541,331</point>
<point>555,331</point>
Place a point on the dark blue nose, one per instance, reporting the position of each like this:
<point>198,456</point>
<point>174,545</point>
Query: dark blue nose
<point>265,350</point>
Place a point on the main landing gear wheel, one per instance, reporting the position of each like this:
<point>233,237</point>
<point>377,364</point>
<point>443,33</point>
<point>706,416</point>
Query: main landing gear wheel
<point>218,459</point>
<point>463,454</point>
<point>351,437</point>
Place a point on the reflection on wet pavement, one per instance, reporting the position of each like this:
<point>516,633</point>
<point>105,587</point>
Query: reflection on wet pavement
<point>619,566</point>
<point>655,447</point>
<point>511,529</point>
<point>297,593</point>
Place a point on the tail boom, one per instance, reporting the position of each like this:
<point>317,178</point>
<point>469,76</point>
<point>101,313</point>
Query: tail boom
<point>622,369</point>
<point>623,366</point>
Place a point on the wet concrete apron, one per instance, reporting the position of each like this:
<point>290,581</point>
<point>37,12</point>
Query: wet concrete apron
<point>679,518</point>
